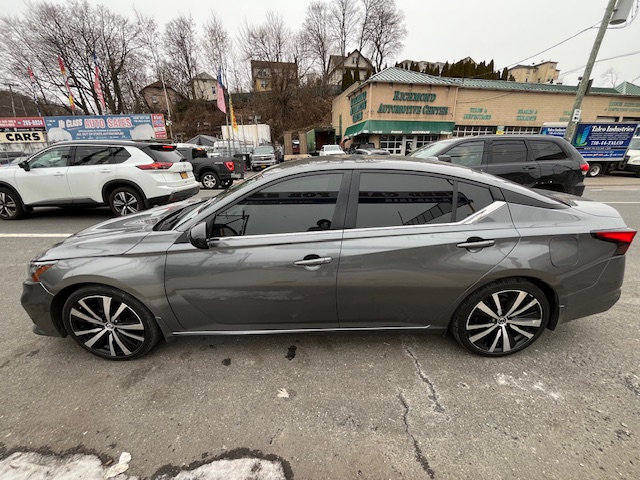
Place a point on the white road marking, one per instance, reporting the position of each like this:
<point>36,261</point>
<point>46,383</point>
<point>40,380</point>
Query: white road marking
<point>615,203</point>
<point>35,235</point>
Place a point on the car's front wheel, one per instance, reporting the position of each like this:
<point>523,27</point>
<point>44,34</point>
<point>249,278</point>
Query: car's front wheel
<point>125,201</point>
<point>11,207</point>
<point>210,180</point>
<point>501,318</point>
<point>110,323</point>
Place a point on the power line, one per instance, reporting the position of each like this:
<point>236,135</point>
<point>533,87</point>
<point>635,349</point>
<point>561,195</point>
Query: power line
<point>577,69</point>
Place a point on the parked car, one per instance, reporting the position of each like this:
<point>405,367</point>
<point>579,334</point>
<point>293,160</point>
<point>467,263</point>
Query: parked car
<point>212,172</point>
<point>426,246</point>
<point>631,162</point>
<point>327,150</point>
<point>372,151</point>
<point>540,161</point>
<point>262,157</point>
<point>360,146</point>
<point>126,176</point>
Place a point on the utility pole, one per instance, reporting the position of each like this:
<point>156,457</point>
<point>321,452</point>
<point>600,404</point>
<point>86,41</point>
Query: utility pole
<point>13,105</point>
<point>584,83</point>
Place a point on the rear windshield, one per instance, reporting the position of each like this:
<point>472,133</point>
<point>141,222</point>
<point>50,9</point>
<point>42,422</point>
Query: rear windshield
<point>199,153</point>
<point>164,153</point>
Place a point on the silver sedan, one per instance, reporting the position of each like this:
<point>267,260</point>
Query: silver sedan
<point>352,243</point>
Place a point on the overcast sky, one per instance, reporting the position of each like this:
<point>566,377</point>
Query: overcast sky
<point>507,31</point>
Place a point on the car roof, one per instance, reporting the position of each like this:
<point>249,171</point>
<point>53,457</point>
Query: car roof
<point>530,136</point>
<point>119,143</point>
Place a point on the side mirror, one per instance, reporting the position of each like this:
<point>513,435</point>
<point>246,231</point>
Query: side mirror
<point>444,158</point>
<point>198,236</point>
<point>24,165</point>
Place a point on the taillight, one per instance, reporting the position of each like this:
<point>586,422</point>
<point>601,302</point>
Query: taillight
<point>622,238</point>
<point>229,166</point>
<point>584,168</point>
<point>155,166</point>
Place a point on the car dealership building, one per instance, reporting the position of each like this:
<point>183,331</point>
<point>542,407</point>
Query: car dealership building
<point>401,110</point>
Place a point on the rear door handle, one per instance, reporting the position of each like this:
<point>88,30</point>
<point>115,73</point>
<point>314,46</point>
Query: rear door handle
<point>58,174</point>
<point>106,170</point>
<point>476,242</point>
<point>529,168</point>
<point>312,261</point>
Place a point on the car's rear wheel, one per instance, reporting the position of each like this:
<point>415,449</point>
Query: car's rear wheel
<point>11,206</point>
<point>110,323</point>
<point>226,183</point>
<point>210,180</point>
<point>595,169</point>
<point>501,318</point>
<point>125,201</point>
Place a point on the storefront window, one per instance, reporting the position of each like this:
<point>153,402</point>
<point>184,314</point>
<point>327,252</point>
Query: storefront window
<point>520,130</point>
<point>392,143</point>
<point>469,130</point>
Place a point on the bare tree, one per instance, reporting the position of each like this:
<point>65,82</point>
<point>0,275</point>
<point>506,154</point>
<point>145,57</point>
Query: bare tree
<point>270,41</point>
<point>611,76</point>
<point>217,45</point>
<point>182,53</point>
<point>343,21</point>
<point>386,31</point>
<point>316,34</point>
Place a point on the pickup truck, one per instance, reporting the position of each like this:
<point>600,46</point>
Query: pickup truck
<point>213,172</point>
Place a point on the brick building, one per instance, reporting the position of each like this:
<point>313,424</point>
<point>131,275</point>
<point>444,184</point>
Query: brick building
<point>401,110</point>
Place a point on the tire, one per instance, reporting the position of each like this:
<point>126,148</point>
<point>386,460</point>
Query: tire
<point>210,180</point>
<point>125,201</point>
<point>128,331</point>
<point>11,206</point>
<point>481,326</point>
<point>595,169</point>
<point>226,183</point>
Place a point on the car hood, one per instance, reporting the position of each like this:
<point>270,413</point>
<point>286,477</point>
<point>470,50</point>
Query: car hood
<point>113,237</point>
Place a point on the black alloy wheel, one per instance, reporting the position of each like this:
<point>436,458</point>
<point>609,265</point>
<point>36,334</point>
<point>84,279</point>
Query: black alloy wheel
<point>501,318</point>
<point>125,201</point>
<point>11,207</point>
<point>110,323</point>
<point>210,180</point>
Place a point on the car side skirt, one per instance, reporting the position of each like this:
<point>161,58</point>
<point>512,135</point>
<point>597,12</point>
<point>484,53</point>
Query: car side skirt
<point>429,328</point>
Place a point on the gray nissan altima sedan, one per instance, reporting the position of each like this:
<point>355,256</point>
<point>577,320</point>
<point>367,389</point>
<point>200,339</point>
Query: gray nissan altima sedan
<point>338,243</point>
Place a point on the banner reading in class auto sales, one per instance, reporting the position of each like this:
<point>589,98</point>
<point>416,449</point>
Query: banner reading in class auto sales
<point>106,127</point>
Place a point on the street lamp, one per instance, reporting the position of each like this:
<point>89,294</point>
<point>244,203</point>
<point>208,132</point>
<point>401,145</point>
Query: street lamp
<point>610,18</point>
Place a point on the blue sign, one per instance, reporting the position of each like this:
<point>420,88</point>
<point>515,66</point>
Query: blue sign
<point>102,127</point>
<point>605,141</point>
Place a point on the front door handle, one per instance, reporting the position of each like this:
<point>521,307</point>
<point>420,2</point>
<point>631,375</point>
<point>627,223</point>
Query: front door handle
<point>476,242</point>
<point>529,168</point>
<point>58,174</point>
<point>313,261</point>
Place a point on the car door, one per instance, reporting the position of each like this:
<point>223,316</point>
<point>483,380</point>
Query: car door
<point>272,264</point>
<point>419,242</point>
<point>45,183</point>
<point>557,168</point>
<point>91,167</point>
<point>509,159</point>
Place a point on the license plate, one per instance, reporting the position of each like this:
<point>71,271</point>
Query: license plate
<point>184,175</point>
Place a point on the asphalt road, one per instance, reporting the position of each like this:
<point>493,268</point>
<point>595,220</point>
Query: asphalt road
<point>331,406</point>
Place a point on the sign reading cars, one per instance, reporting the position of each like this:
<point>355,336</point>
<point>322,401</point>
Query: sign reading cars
<point>22,137</point>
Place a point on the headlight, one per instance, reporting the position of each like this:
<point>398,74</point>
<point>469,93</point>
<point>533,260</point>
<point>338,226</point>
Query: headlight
<point>36,269</point>
<point>634,160</point>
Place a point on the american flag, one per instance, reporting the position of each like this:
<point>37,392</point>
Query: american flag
<point>220,93</point>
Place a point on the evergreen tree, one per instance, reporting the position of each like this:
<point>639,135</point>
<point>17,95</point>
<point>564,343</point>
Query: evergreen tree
<point>490,70</point>
<point>356,75</point>
<point>415,67</point>
<point>347,80</point>
<point>505,74</point>
<point>367,75</point>
<point>445,70</point>
<point>512,78</point>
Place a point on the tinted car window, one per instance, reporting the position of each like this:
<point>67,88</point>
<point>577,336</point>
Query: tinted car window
<point>298,205</point>
<point>387,200</point>
<point>198,153</point>
<point>509,151</point>
<point>468,153</point>
<point>433,149</point>
<point>120,154</point>
<point>164,154</point>
<point>92,155</point>
<point>546,150</point>
<point>471,198</point>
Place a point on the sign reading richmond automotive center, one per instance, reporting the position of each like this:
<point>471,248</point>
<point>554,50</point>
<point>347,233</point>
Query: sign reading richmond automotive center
<point>106,127</point>
<point>22,137</point>
<point>424,109</point>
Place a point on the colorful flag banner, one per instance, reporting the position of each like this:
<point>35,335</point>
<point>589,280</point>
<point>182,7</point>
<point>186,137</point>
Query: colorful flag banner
<point>66,83</point>
<point>234,124</point>
<point>96,82</point>
<point>220,93</point>
<point>32,79</point>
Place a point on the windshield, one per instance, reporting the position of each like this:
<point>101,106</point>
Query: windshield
<point>263,150</point>
<point>433,149</point>
<point>333,148</point>
<point>635,144</point>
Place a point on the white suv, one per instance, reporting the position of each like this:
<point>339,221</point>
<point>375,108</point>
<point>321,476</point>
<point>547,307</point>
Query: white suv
<point>126,176</point>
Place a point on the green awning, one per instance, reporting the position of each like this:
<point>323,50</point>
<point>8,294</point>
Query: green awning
<point>399,127</point>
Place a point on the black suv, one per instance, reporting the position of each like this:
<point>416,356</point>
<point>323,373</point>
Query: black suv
<point>538,161</point>
<point>213,172</point>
